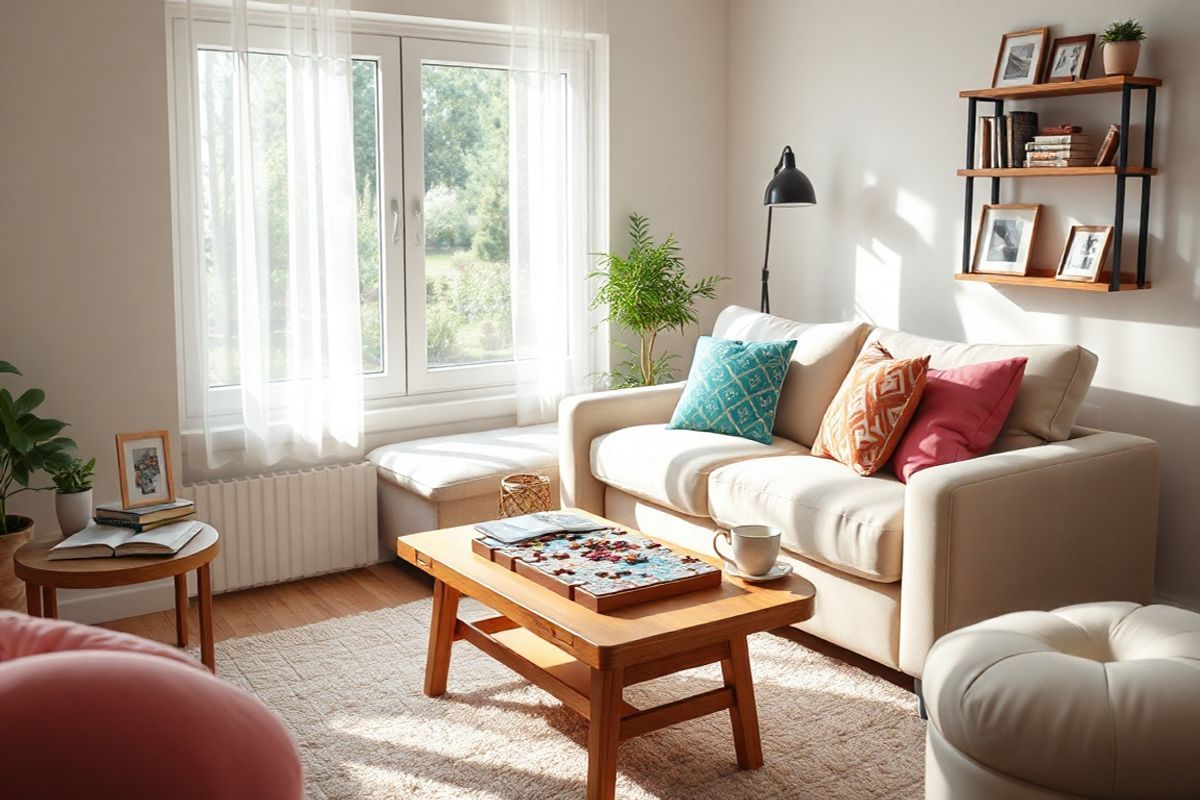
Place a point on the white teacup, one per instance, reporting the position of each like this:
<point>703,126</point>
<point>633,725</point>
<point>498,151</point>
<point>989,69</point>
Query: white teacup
<point>755,548</point>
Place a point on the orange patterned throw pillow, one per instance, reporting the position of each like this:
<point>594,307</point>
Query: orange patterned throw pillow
<point>868,415</point>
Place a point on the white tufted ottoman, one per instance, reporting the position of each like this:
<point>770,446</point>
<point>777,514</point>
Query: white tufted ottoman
<point>1090,701</point>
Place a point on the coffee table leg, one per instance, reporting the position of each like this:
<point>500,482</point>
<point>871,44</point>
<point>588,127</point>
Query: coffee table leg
<point>441,638</point>
<point>33,599</point>
<point>204,587</point>
<point>604,734</point>
<point>181,610</point>
<point>49,602</point>
<point>743,714</point>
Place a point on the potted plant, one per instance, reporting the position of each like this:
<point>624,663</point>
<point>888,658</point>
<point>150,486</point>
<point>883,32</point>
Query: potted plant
<point>648,292</point>
<point>1122,46</point>
<point>28,444</point>
<point>73,498</point>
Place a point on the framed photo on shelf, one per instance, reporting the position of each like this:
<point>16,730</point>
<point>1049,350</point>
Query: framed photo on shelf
<point>1085,253</point>
<point>144,467</point>
<point>1005,239</point>
<point>1069,58</point>
<point>1019,62</point>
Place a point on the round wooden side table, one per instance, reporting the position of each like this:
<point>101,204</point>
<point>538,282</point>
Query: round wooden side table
<point>43,577</point>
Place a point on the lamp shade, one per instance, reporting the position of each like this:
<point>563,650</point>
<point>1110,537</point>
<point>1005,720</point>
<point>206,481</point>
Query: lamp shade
<point>789,186</point>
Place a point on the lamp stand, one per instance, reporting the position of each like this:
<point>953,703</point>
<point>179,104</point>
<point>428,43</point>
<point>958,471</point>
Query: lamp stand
<point>766,274</point>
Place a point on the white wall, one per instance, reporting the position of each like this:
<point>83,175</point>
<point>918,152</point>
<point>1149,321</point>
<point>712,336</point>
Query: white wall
<point>87,308</point>
<point>866,92</point>
<point>668,136</point>
<point>86,291</point>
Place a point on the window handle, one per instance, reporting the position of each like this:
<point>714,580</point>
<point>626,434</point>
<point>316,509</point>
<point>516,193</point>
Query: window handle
<point>419,228</point>
<point>395,206</point>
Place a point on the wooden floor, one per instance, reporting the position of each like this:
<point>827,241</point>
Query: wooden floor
<point>289,605</point>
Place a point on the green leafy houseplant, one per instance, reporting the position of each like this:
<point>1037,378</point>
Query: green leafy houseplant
<point>28,444</point>
<point>648,292</point>
<point>75,477</point>
<point>1129,30</point>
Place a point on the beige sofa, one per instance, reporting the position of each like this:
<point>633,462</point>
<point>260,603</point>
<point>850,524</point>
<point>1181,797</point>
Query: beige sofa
<point>1055,515</point>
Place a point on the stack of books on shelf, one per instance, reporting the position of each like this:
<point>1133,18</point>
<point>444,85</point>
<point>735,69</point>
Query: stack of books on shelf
<point>1003,139</point>
<point>1071,149</point>
<point>145,518</point>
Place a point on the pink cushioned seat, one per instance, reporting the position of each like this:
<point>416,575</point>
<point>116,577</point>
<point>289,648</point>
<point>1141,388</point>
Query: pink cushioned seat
<point>98,714</point>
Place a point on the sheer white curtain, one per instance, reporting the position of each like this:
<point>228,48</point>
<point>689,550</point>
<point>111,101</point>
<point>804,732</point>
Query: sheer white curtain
<point>549,195</point>
<point>275,199</point>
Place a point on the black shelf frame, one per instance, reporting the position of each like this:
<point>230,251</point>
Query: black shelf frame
<point>1121,177</point>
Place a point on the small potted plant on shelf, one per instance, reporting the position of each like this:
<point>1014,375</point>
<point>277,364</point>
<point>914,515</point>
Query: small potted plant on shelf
<point>28,444</point>
<point>1122,46</point>
<point>73,498</point>
<point>648,292</point>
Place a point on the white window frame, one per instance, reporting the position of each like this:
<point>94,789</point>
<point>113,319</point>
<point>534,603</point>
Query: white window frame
<point>407,394</point>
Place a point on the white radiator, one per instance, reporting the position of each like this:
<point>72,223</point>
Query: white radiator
<point>290,525</point>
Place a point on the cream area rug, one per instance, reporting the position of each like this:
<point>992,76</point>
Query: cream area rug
<point>349,691</point>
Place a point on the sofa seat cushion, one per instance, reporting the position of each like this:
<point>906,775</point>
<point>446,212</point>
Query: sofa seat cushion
<point>446,468</point>
<point>671,467</point>
<point>827,512</point>
<point>1055,385</point>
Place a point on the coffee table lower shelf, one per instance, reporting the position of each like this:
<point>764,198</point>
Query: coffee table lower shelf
<point>596,694</point>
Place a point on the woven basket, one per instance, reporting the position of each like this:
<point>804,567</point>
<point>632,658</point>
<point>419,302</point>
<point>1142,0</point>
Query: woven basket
<point>523,493</point>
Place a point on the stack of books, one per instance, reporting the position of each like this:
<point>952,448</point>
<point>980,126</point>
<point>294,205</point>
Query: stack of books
<point>1061,150</point>
<point>145,518</point>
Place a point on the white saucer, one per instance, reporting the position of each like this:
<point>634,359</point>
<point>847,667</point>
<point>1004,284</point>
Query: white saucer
<point>780,570</point>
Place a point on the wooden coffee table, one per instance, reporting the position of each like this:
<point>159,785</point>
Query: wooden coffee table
<point>586,659</point>
<point>43,577</point>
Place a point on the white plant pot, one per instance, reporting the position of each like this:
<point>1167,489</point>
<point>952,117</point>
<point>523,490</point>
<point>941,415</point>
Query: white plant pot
<point>1121,58</point>
<point>74,510</point>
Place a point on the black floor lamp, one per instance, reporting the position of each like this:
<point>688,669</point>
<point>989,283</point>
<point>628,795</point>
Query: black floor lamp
<point>788,187</point>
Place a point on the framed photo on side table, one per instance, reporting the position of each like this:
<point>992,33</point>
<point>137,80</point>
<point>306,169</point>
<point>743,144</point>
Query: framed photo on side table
<point>1085,253</point>
<point>1069,58</point>
<point>144,466</point>
<point>1005,239</point>
<point>1019,62</point>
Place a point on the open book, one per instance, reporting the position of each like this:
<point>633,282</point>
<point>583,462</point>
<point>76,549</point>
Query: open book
<point>105,541</point>
<point>531,526</point>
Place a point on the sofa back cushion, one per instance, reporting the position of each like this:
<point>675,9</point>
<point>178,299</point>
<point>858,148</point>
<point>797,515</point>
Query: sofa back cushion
<point>821,360</point>
<point>1057,377</point>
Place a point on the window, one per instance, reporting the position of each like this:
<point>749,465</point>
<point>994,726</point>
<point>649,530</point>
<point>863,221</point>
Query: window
<point>431,155</point>
<point>456,109</point>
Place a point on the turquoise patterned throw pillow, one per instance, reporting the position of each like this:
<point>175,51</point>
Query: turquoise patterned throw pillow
<point>733,388</point>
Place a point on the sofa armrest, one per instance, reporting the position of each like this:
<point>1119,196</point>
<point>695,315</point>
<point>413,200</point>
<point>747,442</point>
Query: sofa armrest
<point>582,418</point>
<point>1038,528</point>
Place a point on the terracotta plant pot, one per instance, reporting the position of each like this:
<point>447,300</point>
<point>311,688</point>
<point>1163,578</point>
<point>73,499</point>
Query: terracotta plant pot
<point>1121,58</point>
<point>74,510</point>
<point>12,589</point>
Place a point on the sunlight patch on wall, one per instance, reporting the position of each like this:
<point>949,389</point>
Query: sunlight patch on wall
<point>917,213</point>
<point>1143,358</point>
<point>985,313</point>
<point>877,284</point>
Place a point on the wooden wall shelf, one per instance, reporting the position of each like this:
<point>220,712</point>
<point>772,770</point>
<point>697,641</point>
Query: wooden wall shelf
<point>1115,83</point>
<point>1044,278</point>
<point>1053,172</point>
<point>1116,280</point>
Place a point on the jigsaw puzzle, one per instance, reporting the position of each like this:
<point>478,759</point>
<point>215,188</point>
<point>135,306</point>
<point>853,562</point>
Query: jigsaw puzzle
<point>602,570</point>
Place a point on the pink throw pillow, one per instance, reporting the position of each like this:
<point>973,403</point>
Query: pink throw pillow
<point>960,416</point>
